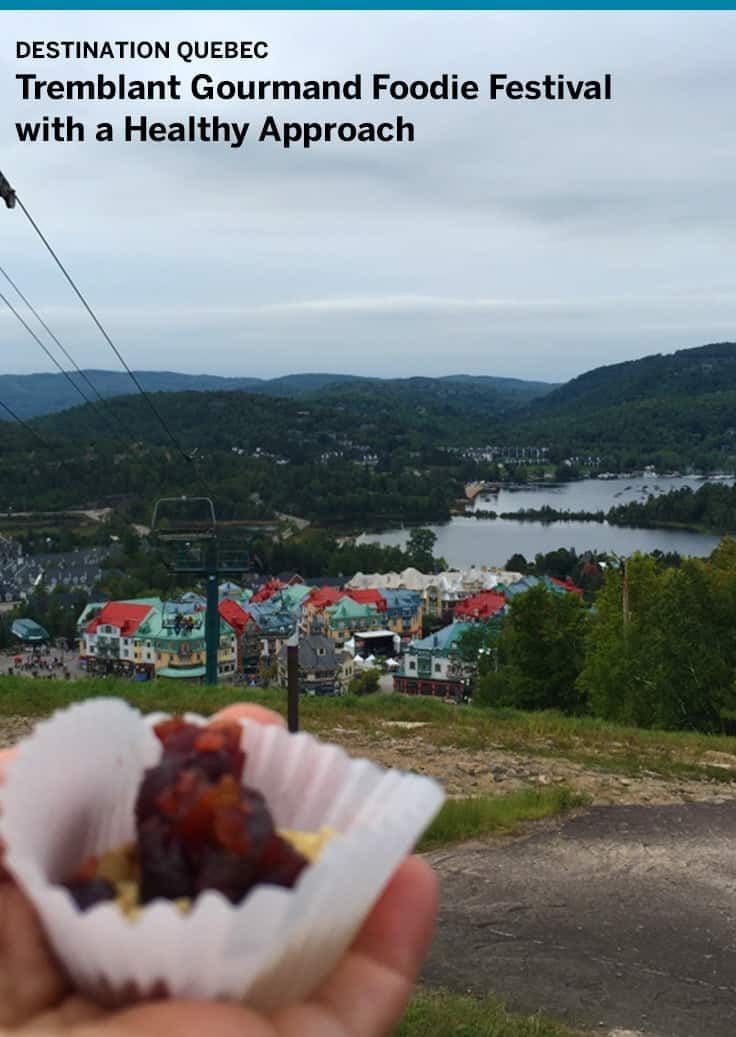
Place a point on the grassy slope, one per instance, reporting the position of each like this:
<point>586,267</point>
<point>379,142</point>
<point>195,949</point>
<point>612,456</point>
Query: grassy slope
<point>477,816</point>
<point>580,739</point>
<point>440,1014</point>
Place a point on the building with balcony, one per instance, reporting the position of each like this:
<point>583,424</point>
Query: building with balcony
<point>432,665</point>
<point>404,611</point>
<point>147,638</point>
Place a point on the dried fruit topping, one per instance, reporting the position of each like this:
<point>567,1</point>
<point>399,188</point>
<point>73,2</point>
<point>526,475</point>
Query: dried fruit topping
<point>90,892</point>
<point>165,867</point>
<point>216,748</point>
<point>198,827</point>
<point>280,864</point>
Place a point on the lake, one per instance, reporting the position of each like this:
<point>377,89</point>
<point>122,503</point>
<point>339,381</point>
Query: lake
<point>466,541</point>
<point>584,495</point>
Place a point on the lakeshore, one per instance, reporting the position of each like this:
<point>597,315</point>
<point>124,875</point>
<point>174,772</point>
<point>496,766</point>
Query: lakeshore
<point>469,540</point>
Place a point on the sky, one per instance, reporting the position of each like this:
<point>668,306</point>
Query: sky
<point>525,239</point>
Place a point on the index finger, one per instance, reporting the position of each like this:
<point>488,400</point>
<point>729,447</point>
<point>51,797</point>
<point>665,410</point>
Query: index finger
<point>6,755</point>
<point>248,711</point>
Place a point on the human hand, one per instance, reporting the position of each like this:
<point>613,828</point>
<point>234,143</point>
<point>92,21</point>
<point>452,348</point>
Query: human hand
<point>364,996</point>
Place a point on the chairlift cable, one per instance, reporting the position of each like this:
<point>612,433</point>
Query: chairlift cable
<point>154,410</point>
<point>11,199</point>
<point>24,424</point>
<point>64,350</point>
<point>50,355</point>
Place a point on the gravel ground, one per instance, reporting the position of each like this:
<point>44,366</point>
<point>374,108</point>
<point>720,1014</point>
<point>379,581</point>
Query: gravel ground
<point>494,770</point>
<point>14,728</point>
<point>621,919</point>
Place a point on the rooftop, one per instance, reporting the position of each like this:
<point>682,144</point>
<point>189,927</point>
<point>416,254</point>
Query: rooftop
<point>445,640</point>
<point>29,630</point>
<point>346,608</point>
<point>480,606</point>
<point>127,616</point>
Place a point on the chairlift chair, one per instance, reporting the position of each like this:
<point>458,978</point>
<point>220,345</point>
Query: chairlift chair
<point>192,537</point>
<point>191,531</point>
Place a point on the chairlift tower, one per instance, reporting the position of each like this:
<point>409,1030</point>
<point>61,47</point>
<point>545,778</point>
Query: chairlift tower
<point>199,551</point>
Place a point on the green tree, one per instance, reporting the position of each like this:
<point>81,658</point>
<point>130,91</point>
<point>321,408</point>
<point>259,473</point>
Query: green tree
<point>660,650</point>
<point>365,683</point>
<point>541,654</point>
<point>517,563</point>
<point>616,647</point>
<point>420,548</point>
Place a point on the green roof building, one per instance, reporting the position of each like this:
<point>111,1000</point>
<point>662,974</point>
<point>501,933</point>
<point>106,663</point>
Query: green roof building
<point>432,665</point>
<point>348,617</point>
<point>29,631</point>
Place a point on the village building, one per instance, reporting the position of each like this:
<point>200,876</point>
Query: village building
<point>566,586</point>
<point>178,638</point>
<point>266,630</point>
<point>312,620</point>
<point>108,642</point>
<point>266,591</point>
<point>404,612</point>
<point>146,638</point>
<point>513,590</point>
<point>28,632</point>
<point>231,590</point>
<point>441,592</point>
<point>261,630</point>
<point>324,669</point>
<point>292,596</point>
<point>481,607</point>
<point>552,584</point>
<point>432,665</point>
<point>348,619</point>
<point>21,574</point>
<point>367,596</point>
<point>236,618</point>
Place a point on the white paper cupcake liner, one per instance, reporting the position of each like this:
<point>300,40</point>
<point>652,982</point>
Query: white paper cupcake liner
<point>70,794</point>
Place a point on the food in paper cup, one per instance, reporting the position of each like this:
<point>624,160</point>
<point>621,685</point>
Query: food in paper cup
<point>197,828</point>
<point>166,857</point>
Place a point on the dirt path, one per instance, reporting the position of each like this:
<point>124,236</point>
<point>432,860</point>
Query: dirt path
<point>619,919</point>
<point>493,770</point>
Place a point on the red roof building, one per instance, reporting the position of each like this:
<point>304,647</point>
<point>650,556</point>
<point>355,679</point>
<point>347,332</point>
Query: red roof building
<point>567,585</point>
<point>369,596</point>
<point>322,597</point>
<point>122,614</point>
<point>480,606</point>
<point>234,615</point>
<point>267,591</point>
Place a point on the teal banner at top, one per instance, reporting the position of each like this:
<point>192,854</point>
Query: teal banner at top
<point>360,5</point>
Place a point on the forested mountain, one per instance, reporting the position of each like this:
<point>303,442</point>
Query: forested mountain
<point>691,372</point>
<point>36,394</point>
<point>327,462</point>
<point>343,449</point>
<point>671,410</point>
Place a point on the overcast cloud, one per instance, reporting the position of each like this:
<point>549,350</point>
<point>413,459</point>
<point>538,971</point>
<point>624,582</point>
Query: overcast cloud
<point>531,239</point>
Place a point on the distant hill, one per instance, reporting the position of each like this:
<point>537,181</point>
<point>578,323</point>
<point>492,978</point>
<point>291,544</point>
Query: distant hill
<point>670,410</point>
<point>340,447</point>
<point>36,394</point>
<point>690,372</point>
<point>313,416</point>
